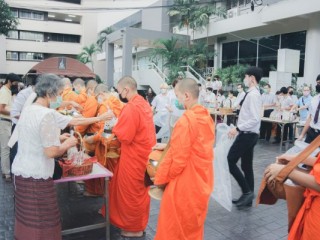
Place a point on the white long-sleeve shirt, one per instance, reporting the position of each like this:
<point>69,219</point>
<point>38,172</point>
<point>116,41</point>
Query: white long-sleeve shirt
<point>249,117</point>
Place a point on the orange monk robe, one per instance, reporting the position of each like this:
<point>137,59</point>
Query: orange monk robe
<point>187,170</point>
<point>306,224</point>
<point>68,95</point>
<point>81,98</point>
<point>129,200</point>
<point>89,110</point>
<point>96,186</point>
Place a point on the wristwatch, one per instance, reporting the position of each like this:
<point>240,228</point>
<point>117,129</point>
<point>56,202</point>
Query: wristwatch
<point>237,129</point>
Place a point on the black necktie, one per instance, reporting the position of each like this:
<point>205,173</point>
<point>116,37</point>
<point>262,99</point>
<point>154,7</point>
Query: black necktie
<point>316,116</point>
<point>243,99</point>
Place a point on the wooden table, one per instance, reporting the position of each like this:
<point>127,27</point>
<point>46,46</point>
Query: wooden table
<point>98,171</point>
<point>215,114</point>
<point>281,123</point>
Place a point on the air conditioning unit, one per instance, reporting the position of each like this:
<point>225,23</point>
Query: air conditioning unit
<point>233,12</point>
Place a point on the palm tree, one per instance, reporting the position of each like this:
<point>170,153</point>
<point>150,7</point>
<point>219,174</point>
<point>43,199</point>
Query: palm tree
<point>172,55</point>
<point>102,37</point>
<point>86,56</point>
<point>183,9</point>
<point>193,14</point>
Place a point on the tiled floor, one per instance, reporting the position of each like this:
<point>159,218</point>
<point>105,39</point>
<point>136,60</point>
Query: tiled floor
<point>258,223</point>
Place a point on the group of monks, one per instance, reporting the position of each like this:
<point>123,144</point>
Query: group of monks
<point>186,171</point>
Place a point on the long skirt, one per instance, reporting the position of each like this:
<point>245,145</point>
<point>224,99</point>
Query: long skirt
<point>37,215</point>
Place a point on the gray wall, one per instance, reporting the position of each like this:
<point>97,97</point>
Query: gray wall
<point>156,18</point>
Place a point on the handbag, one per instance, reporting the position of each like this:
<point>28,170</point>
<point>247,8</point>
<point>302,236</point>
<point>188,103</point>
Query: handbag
<point>270,192</point>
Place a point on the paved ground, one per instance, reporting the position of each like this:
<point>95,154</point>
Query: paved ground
<point>263,222</point>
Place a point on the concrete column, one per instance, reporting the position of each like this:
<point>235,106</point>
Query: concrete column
<point>127,54</point>
<point>217,57</point>
<point>312,54</point>
<point>110,64</point>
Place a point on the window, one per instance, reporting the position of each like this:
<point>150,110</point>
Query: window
<point>297,41</point>
<point>35,36</point>
<point>268,53</point>
<point>248,52</point>
<point>15,12</point>
<point>12,55</point>
<point>27,14</point>
<point>13,34</point>
<point>229,54</point>
<point>56,37</point>
<point>27,56</point>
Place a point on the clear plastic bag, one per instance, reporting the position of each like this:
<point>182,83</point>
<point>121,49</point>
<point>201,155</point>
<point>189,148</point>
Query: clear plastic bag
<point>222,179</point>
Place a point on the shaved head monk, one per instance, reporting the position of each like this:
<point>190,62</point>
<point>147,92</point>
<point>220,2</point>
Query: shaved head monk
<point>186,169</point>
<point>129,200</point>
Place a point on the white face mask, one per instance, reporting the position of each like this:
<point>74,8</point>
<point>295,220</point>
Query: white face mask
<point>163,90</point>
<point>246,82</point>
<point>100,100</point>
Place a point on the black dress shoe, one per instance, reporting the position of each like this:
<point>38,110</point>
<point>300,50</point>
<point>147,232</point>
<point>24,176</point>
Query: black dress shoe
<point>275,142</point>
<point>245,199</point>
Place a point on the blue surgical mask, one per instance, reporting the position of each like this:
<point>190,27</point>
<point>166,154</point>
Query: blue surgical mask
<point>178,105</point>
<point>57,103</point>
<point>100,99</point>
<point>77,91</point>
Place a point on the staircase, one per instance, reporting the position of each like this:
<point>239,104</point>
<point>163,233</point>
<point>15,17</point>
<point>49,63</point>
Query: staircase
<point>191,73</point>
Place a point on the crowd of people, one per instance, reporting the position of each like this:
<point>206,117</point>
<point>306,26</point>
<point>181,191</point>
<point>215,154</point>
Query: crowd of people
<point>35,124</point>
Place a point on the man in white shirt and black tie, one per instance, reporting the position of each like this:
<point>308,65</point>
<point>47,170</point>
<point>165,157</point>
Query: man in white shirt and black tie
<point>247,134</point>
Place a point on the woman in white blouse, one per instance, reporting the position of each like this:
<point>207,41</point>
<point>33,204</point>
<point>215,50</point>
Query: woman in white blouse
<point>36,209</point>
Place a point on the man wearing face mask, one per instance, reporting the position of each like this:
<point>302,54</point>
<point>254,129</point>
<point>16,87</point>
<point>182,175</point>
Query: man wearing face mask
<point>290,92</point>
<point>240,96</point>
<point>268,102</point>
<point>160,106</point>
<point>247,134</point>
<point>186,169</point>
<point>5,123</point>
<point>129,200</point>
<point>285,104</point>
<point>303,104</point>
<point>312,126</point>
<point>107,102</point>
<point>90,106</point>
<point>80,89</point>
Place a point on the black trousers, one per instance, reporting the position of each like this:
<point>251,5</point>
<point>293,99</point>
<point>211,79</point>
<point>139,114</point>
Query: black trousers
<point>14,149</point>
<point>311,135</point>
<point>266,127</point>
<point>243,148</point>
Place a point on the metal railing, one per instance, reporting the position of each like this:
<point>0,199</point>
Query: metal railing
<point>195,73</point>
<point>151,66</point>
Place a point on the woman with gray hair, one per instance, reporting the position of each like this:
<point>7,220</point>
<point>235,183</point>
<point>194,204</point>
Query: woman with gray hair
<point>36,209</point>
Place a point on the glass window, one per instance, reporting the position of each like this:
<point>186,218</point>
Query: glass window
<point>13,34</point>
<point>268,54</point>
<point>248,52</point>
<point>14,12</point>
<point>27,14</point>
<point>12,55</point>
<point>297,41</point>
<point>56,37</point>
<point>229,54</point>
<point>27,56</point>
<point>35,36</point>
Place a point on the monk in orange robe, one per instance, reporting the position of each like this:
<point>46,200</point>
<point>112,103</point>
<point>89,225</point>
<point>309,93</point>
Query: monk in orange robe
<point>90,106</point>
<point>186,170</point>
<point>306,223</point>
<point>68,95</point>
<point>129,203</point>
<point>80,89</point>
<point>95,187</point>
